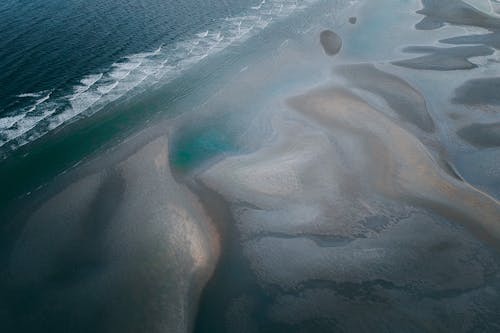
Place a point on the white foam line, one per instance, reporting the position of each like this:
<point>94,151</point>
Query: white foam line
<point>86,83</point>
<point>26,124</point>
<point>89,80</point>
<point>259,6</point>
<point>163,63</point>
<point>39,101</point>
<point>107,88</point>
<point>145,54</point>
<point>30,95</point>
<point>202,34</point>
<point>7,122</point>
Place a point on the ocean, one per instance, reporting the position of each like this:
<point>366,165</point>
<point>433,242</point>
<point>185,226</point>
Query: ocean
<point>61,62</point>
<point>249,166</point>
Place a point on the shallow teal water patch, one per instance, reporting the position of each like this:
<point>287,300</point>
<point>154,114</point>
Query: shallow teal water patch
<point>194,147</point>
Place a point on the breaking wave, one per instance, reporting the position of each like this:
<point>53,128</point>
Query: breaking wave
<point>49,110</point>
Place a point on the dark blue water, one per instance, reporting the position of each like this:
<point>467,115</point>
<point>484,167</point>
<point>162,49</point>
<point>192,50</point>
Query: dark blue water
<point>77,76</point>
<point>61,59</point>
<point>51,44</point>
<point>97,97</point>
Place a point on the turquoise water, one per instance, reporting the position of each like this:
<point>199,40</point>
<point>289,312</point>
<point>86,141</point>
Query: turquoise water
<point>64,102</point>
<point>197,146</point>
<point>140,141</point>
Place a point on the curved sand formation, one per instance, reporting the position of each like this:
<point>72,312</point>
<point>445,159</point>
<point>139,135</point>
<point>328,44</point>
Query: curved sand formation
<point>132,245</point>
<point>400,166</point>
<point>335,220</point>
<point>336,224</point>
<point>404,99</point>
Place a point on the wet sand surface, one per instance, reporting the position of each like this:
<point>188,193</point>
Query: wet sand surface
<point>491,39</point>
<point>439,12</point>
<point>478,92</point>
<point>308,193</point>
<point>444,59</point>
<point>482,135</point>
<point>83,262</point>
<point>398,94</point>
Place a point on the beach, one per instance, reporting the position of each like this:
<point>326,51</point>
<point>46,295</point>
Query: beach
<point>337,169</point>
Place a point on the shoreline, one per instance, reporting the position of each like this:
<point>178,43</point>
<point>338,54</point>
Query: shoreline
<point>309,185</point>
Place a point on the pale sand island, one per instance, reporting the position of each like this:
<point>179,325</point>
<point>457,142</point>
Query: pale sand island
<point>346,179</point>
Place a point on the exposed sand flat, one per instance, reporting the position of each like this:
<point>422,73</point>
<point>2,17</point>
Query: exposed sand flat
<point>404,99</point>
<point>140,242</point>
<point>400,166</point>
<point>271,175</point>
<point>495,5</point>
<point>398,255</point>
<point>321,241</point>
<point>346,195</point>
<point>298,184</point>
<point>312,309</point>
<point>346,217</point>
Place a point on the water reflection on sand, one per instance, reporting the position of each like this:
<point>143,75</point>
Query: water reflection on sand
<point>352,191</point>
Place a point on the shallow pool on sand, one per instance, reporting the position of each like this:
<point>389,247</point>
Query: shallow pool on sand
<point>290,189</point>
